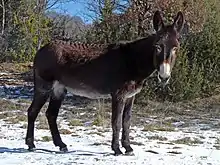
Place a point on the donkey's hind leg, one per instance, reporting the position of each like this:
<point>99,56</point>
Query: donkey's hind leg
<point>41,94</point>
<point>52,112</point>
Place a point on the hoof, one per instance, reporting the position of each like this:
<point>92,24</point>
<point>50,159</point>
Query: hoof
<point>31,148</point>
<point>129,153</point>
<point>63,149</point>
<point>129,150</point>
<point>30,143</point>
<point>118,152</point>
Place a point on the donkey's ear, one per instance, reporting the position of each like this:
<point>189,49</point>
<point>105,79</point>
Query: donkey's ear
<point>158,21</point>
<point>179,22</point>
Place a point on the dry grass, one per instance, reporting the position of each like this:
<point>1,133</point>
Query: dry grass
<point>75,122</point>
<point>101,117</point>
<point>157,137</point>
<point>46,138</point>
<point>137,143</point>
<point>42,122</point>
<point>16,119</point>
<point>7,105</point>
<point>99,144</point>
<point>65,131</point>
<point>174,152</point>
<point>99,120</point>
<point>188,141</point>
<point>217,144</point>
<point>152,128</point>
<point>15,67</point>
<point>95,133</point>
<point>6,115</point>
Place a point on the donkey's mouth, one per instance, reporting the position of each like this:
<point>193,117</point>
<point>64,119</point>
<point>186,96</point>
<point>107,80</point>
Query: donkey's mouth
<point>163,81</point>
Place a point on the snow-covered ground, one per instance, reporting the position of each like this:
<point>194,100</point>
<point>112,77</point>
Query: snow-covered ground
<point>87,145</point>
<point>90,145</point>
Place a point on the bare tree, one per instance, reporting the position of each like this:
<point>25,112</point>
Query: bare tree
<point>51,4</point>
<point>2,5</point>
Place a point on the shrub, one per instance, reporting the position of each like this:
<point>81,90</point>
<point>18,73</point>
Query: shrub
<point>197,69</point>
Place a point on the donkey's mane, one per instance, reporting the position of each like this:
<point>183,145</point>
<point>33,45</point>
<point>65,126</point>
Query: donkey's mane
<point>81,52</point>
<point>82,46</point>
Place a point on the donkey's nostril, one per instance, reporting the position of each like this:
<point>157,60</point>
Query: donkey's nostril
<point>164,75</point>
<point>163,78</point>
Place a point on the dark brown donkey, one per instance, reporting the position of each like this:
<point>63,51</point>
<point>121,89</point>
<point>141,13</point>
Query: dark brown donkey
<point>97,71</point>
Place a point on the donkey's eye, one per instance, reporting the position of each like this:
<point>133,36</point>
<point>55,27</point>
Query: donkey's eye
<point>174,50</point>
<point>158,48</point>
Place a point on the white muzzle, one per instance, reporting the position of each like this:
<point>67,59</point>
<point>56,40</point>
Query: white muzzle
<point>165,70</point>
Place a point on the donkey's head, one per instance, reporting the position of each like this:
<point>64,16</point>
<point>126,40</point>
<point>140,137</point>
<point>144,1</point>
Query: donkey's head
<point>166,44</point>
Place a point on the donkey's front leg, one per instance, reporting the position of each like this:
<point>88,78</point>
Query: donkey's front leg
<point>117,109</point>
<point>126,122</point>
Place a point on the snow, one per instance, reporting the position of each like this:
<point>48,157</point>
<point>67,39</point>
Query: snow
<point>83,151</point>
<point>91,145</point>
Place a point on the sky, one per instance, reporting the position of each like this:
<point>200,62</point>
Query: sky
<point>76,8</point>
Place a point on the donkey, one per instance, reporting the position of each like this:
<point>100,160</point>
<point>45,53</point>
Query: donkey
<point>118,71</point>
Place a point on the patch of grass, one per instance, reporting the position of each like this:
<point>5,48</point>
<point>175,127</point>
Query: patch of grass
<point>168,143</point>
<point>8,105</point>
<point>42,122</point>
<point>217,144</point>
<point>12,120</point>
<point>75,122</point>
<point>217,125</point>
<point>16,119</point>
<point>101,115</point>
<point>65,131</point>
<point>205,128</point>
<point>177,147</point>
<point>95,133</point>
<point>22,117</point>
<point>26,101</point>
<point>6,114</point>
<point>171,120</point>
<point>217,147</point>
<point>15,67</point>
<point>204,157</point>
<point>99,144</point>
<point>99,121</point>
<point>157,137</point>
<point>201,137</point>
<point>137,143</point>
<point>103,130</point>
<point>151,151</point>
<point>46,138</point>
<point>174,152</point>
<point>218,141</point>
<point>22,67</point>
<point>153,128</point>
<point>74,135</point>
<point>188,141</point>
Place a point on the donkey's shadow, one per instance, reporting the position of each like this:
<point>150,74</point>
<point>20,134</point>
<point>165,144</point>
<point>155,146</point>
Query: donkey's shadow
<point>46,151</point>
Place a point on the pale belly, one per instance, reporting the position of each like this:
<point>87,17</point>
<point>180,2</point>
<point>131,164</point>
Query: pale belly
<point>59,88</point>
<point>85,91</point>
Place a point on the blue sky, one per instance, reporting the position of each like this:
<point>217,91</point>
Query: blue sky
<point>76,8</point>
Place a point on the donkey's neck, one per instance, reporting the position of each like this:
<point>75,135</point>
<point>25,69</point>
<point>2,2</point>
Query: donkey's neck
<point>141,62</point>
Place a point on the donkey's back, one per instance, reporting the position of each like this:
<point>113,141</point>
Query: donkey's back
<point>88,70</point>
